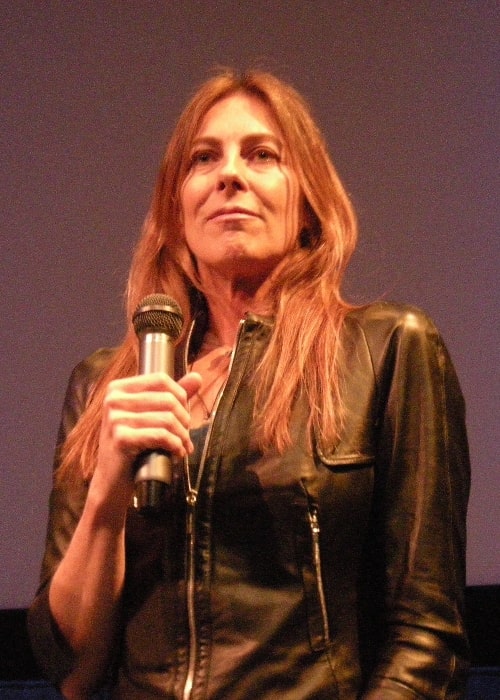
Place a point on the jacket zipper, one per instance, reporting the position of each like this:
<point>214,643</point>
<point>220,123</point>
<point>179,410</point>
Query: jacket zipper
<point>191,503</point>
<point>316,552</point>
<point>191,500</point>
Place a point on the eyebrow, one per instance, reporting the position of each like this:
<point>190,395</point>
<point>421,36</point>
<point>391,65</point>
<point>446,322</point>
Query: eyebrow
<point>249,138</point>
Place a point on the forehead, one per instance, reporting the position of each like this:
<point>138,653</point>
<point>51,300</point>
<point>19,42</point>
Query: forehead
<point>238,114</point>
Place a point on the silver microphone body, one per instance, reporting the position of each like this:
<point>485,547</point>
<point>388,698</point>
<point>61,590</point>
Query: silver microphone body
<point>158,324</point>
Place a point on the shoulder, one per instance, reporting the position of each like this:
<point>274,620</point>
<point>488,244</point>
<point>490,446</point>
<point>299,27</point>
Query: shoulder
<point>85,375</point>
<point>383,322</point>
<point>394,334</point>
<point>390,317</point>
<point>80,387</point>
<point>91,367</point>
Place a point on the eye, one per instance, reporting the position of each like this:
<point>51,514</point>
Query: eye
<point>202,157</point>
<point>264,154</point>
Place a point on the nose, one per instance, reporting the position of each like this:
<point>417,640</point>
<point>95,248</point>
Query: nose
<point>231,174</point>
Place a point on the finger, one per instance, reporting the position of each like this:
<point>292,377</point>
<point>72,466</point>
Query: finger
<point>132,441</point>
<point>157,381</point>
<point>172,425</point>
<point>163,420</point>
<point>147,402</point>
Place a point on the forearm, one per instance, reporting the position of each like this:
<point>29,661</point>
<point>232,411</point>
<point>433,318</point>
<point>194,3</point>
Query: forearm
<point>75,617</point>
<point>85,595</point>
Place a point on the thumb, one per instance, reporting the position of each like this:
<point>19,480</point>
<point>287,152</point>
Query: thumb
<point>191,383</point>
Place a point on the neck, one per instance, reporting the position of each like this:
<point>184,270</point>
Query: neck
<point>227,305</point>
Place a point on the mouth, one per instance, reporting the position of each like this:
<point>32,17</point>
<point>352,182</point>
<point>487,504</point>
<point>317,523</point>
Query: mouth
<point>232,213</point>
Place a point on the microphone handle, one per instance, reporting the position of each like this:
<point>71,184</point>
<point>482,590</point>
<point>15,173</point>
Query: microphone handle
<point>153,468</point>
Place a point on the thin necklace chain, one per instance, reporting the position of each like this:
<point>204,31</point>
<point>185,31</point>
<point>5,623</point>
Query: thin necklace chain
<point>225,355</point>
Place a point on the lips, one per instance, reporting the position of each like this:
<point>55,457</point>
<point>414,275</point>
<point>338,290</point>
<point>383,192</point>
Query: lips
<point>231,212</point>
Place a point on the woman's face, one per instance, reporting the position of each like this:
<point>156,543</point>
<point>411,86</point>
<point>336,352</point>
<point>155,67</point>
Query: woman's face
<point>241,200</point>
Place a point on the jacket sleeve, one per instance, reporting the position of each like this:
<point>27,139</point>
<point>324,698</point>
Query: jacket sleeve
<point>417,548</point>
<point>51,651</point>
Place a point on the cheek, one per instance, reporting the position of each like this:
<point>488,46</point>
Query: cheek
<point>189,193</point>
<point>185,201</point>
<point>193,196</point>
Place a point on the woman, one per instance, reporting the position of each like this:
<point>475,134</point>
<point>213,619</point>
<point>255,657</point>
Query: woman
<point>312,545</point>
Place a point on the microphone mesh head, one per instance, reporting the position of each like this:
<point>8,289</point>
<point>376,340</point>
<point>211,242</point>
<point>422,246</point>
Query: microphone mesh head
<point>158,313</point>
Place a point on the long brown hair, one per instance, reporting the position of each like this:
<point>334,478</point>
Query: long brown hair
<point>304,293</point>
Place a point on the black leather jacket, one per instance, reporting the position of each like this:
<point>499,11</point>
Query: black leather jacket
<point>337,574</point>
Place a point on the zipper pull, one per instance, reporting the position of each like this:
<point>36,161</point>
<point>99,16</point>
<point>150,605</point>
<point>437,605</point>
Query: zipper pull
<point>191,498</point>
<point>313,519</point>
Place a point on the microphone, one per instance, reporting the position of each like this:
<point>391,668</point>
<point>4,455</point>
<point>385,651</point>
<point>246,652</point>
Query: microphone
<point>158,324</point>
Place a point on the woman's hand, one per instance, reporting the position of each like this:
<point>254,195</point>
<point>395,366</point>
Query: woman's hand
<point>144,412</point>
